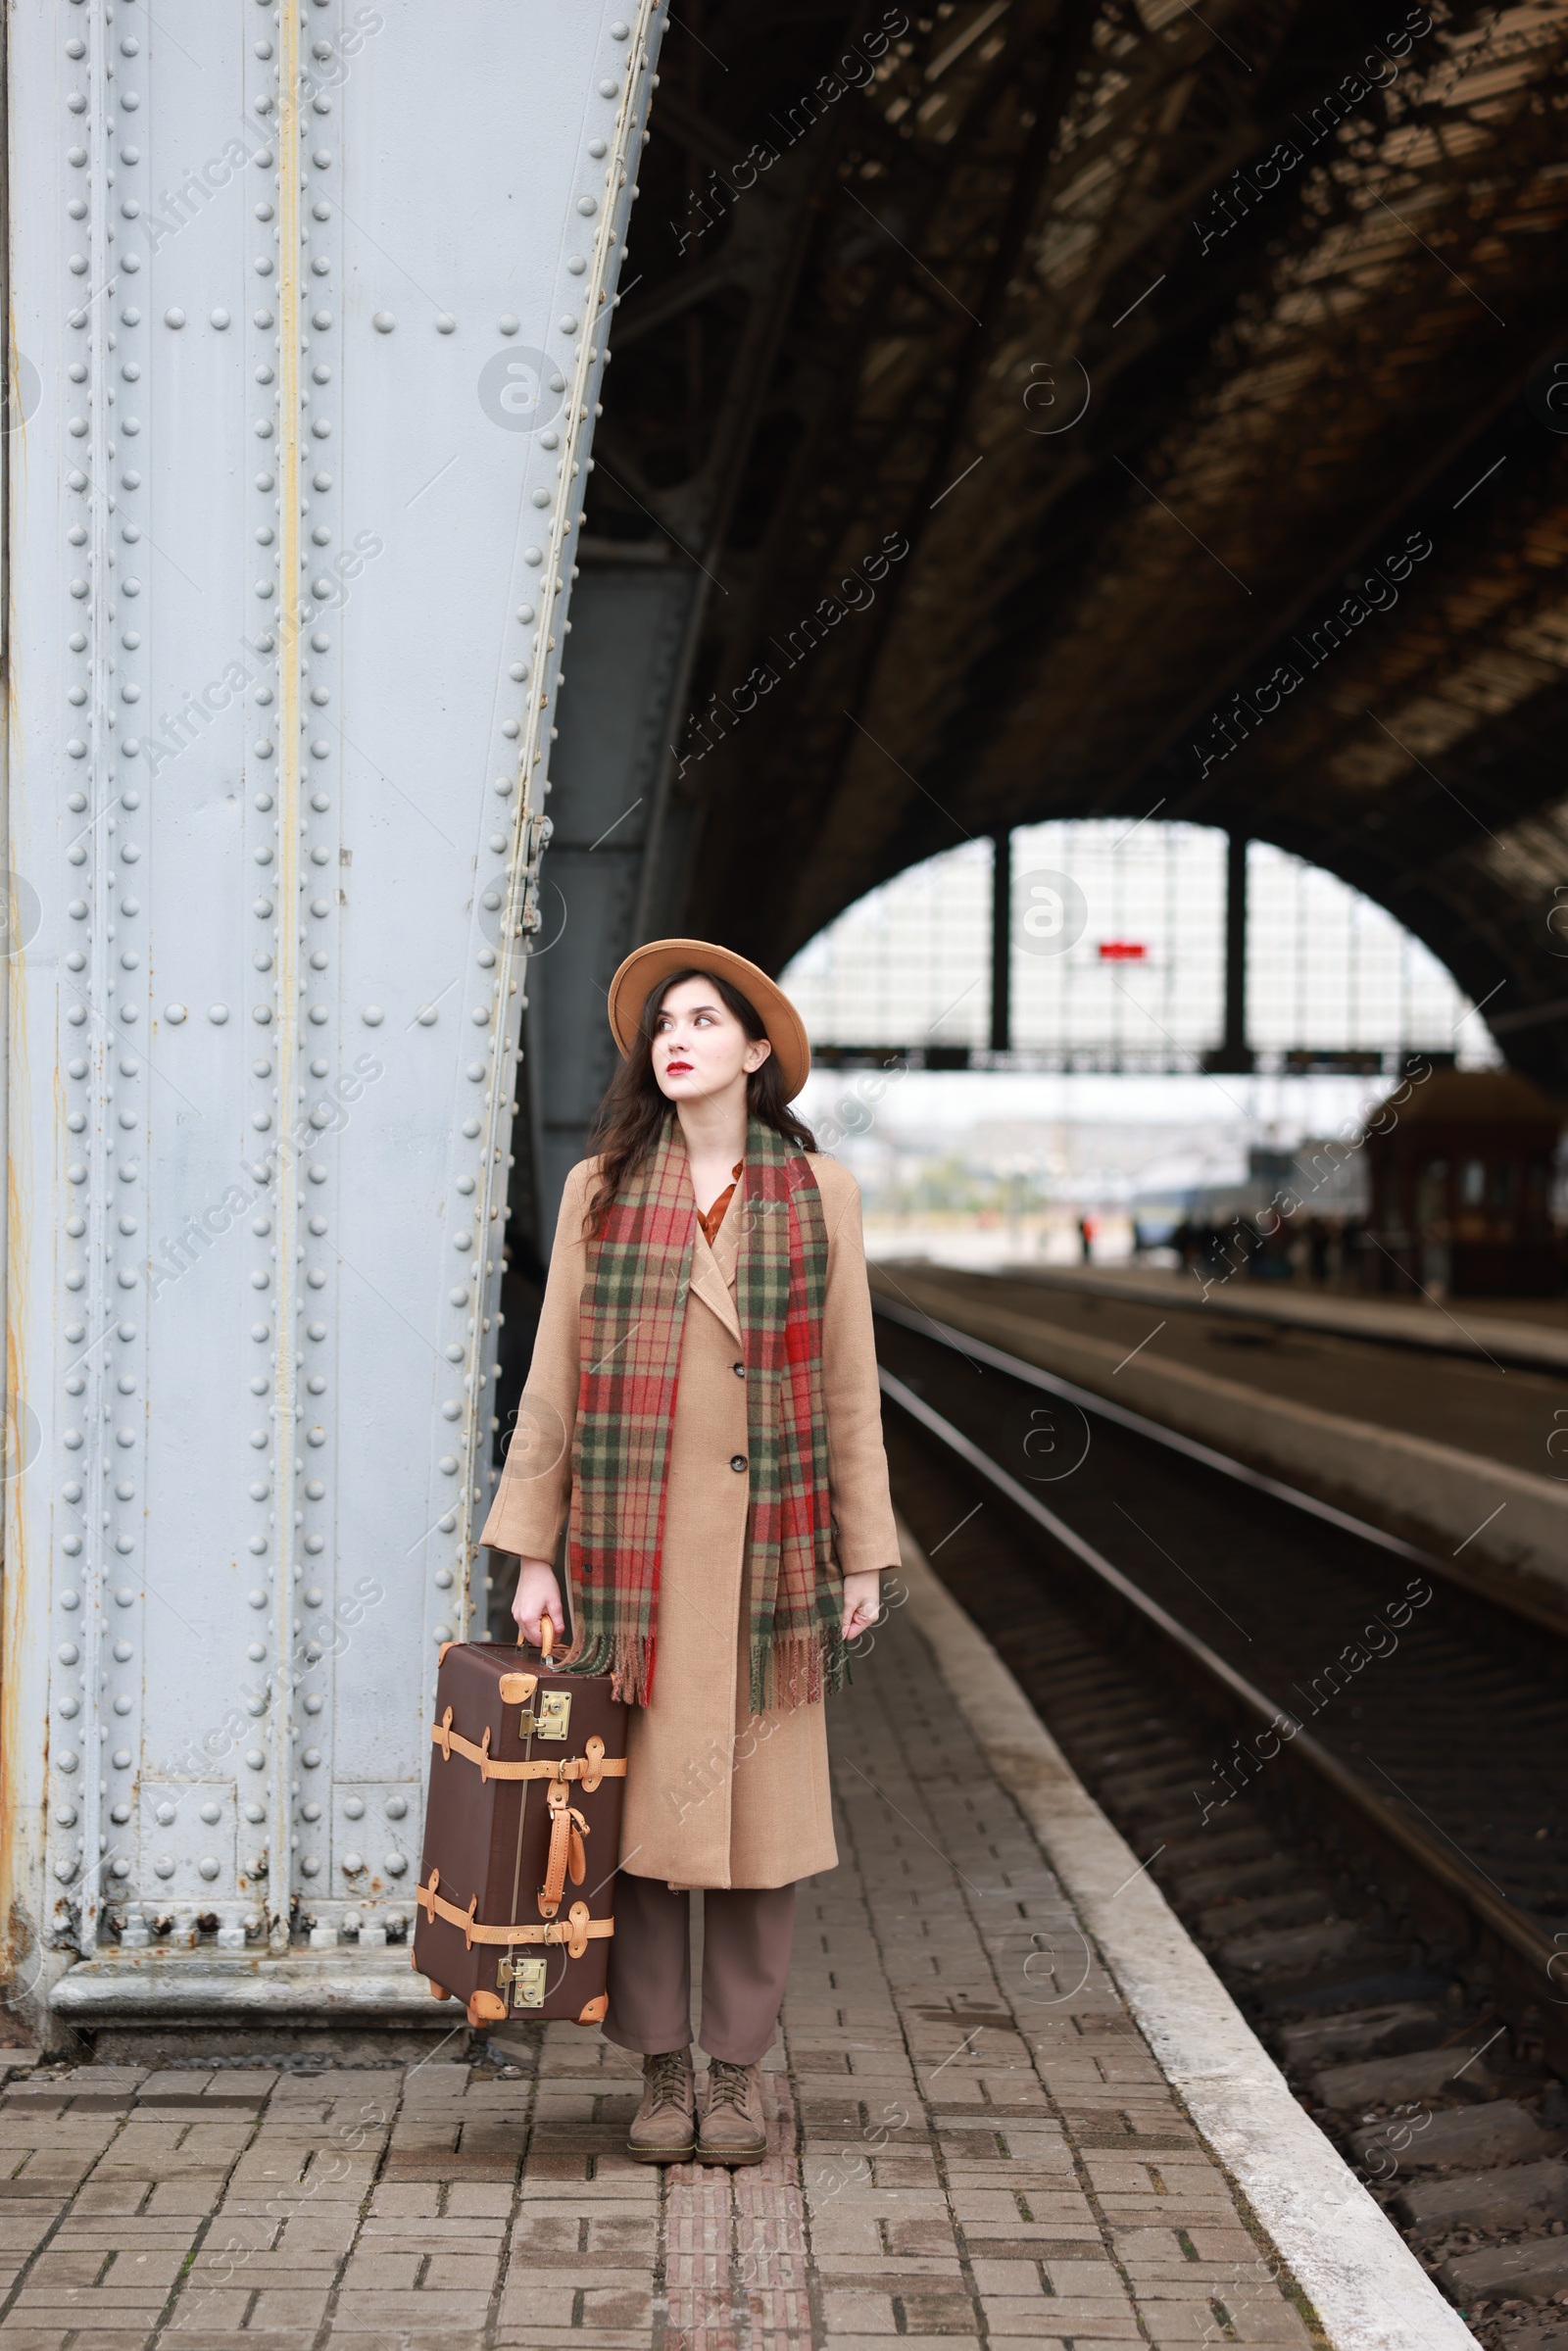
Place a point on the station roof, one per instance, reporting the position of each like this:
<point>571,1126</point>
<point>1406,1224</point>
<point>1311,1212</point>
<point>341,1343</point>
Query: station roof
<point>1100,407</point>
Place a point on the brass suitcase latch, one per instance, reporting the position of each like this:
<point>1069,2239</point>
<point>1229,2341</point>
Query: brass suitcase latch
<point>553,1714</point>
<point>526,1977</point>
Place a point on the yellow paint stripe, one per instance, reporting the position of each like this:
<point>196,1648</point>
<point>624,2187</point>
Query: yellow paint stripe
<point>286,1219</point>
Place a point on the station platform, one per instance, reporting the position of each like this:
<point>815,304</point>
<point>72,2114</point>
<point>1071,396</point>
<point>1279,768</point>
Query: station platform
<point>1512,1330</point>
<point>1012,2102</point>
<point>1455,1447</point>
<point>1348,1356</point>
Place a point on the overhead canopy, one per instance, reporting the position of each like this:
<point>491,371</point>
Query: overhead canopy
<point>1080,407</point>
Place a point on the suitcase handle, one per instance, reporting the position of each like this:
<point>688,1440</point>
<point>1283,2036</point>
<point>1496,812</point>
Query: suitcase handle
<point>547,1639</point>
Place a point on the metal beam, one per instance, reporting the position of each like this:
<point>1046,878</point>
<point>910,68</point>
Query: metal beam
<point>1001,942</point>
<point>1234,1054</point>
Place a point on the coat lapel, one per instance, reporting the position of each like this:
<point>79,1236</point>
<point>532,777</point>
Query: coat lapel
<point>713,1271</point>
<point>727,1239</point>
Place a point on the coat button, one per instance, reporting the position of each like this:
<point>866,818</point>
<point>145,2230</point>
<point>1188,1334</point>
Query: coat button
<point>737,1461</point>
<point>739,1369</point>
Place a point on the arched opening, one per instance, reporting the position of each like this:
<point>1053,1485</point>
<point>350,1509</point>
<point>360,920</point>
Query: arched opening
<point>1084,1038</point>
<point>1112,942</point>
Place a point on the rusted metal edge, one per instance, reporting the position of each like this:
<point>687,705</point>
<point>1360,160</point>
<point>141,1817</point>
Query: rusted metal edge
<point>321,1986</point>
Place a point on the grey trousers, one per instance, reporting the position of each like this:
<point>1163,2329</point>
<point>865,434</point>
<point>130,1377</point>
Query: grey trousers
<point>747,1932</point>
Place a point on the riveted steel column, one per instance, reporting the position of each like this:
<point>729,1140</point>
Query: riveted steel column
<point>290,546</point>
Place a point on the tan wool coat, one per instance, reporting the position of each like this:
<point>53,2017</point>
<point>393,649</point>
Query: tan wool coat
<point>715,1796</point>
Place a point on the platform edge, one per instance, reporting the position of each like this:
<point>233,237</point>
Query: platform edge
<point>1368,2290</point>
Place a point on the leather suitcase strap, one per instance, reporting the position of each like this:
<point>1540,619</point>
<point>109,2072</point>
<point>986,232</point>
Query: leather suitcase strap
<point>577,1930</point>
<point>587,1769</point>
<point>567,1830</point>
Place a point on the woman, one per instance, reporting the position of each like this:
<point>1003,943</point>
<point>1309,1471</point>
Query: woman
<point>703,1397</point>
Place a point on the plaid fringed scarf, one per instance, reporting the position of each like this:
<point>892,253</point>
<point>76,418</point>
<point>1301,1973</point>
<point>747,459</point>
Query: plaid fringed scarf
<point>633,1315</point>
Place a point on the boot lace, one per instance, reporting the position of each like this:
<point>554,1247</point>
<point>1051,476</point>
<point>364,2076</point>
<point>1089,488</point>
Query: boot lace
<point>667,2079</point>
<point>727,2085</point>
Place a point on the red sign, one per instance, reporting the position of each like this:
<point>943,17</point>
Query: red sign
<point>1122,951</point>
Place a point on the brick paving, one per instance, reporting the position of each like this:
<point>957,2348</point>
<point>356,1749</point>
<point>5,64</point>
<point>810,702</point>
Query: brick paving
<point>969,2142</point>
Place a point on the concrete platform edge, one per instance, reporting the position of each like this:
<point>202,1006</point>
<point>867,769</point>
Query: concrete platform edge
<point>1368,2290</point>
<point>1432,1328</point>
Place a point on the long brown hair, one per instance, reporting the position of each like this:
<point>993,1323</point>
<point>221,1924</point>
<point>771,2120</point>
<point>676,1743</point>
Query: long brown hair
<point>630,1118</point>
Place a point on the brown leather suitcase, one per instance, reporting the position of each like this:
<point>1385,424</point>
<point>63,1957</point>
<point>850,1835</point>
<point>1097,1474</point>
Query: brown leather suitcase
<point>522,1834</point>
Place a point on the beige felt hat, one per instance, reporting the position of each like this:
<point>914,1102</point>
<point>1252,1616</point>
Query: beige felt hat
<point>646,966</point>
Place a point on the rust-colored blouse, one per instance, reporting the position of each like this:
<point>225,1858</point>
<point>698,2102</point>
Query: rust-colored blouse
<point>711,1218</point>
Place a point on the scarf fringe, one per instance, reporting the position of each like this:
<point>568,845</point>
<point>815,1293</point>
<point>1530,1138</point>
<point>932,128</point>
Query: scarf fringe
<point>798,1669</point>
<point>626,1657</point>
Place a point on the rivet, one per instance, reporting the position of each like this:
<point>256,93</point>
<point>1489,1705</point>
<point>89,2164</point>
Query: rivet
<point>426,1016</point>
<point>445,322</point>
<point>587,206</point>
<point>608,88</point>
<point>531,554</point>
<point>383,323</point>
<point>220,320</point>
<point>372,1016</point>
<point>568,324</point>
<point>620,31</point>
<point>218,1014</point>
<point>508,323</point>
<point>173,317</point>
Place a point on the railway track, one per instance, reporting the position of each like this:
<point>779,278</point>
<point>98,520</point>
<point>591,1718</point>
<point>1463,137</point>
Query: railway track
<point>1348,1770</point>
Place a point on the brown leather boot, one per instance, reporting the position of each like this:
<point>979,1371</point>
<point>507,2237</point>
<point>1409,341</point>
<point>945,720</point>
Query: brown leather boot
<point>733,2130</point>
<point>665,2126</point>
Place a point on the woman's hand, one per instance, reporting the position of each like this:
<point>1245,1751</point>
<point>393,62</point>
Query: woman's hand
<point>537,1596</point>
<point>862,1603</point>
